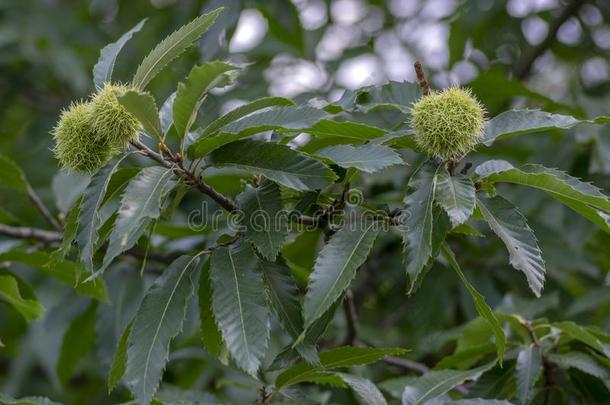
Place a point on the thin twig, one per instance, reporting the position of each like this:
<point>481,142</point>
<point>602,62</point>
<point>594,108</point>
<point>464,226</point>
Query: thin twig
<point>421,78</point>
<point>189,176</point>
<point>523,67</point>
<point>31,233</point>
<point>43,209</point>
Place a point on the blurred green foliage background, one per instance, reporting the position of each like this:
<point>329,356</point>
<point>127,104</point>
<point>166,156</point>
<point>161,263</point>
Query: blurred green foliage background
<point>547,54</point>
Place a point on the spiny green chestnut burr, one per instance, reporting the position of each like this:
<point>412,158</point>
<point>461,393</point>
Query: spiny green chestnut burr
<point>448,123</point>
<point>110,120</point>
<point>76,145</point>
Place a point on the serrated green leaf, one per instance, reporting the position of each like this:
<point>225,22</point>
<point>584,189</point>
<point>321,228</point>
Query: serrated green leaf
<point>239,304</point>
<point>65,271</point>
<point>171,47</point>
<point>529,366</point>
<point>580,361</point>
<point>89,220</point>
<point>140,204</point>
<point>143,106</point>
<point>30,308</point>
<point>346,356</point>
<point>584,198</point>
<point>262,220</point>
<point>581,334</point>
<point>479,302</point>
<point>284,297</point>
<point>287,118</point>
<point>456,194</point>
<point>368,158</point>
<point>210,335</point>
<point>344,129</point>
<point>78,341</point>
<point>244,110</point>
<point>418,225</point>
<point>364,388</point>
<point>277,162</point>
<point>158,320</point>
<point>102,71</point>
<point>518,122</point>
<point>11,175</point>
<point>510,226</point>
<point>336,267</point>
<point>119,360</point>
<point>394,95</point>
<point>192,91</point>
<point>434,384</point>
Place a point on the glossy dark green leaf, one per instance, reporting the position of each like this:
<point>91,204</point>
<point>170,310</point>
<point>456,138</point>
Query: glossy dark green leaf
<point>261,217</point>
<point>288,118</point>
<point>276,162</point>
<point>89,220</point>
<point>140,203</point>
<point>456,194</point>
<point>418,223</point>
<point>518,122</point>
<point>336,267</point>
<point>284,297</point>
<point>210,335</point>
<point>158,320</point>
<point>239,304</point>
<point>510,226</point>
<point>582,197</point>
<point>368,158</point>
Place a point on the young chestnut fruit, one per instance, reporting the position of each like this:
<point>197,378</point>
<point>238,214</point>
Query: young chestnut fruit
<point>77,147</point>
<point>448,123</point>
<point>110,120</point>
<point>89,134</point>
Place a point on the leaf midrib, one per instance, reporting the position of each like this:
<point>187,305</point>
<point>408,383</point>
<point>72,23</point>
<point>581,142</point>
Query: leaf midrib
<point>349,259</point>
<point>241,311</point>
<point>156,335</point>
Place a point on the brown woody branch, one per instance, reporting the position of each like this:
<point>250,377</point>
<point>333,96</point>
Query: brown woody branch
<point>31,233</point>
<point>43,209</point>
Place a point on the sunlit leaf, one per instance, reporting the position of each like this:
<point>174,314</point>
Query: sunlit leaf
<point>510,226</point>
<point>171,47</point>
